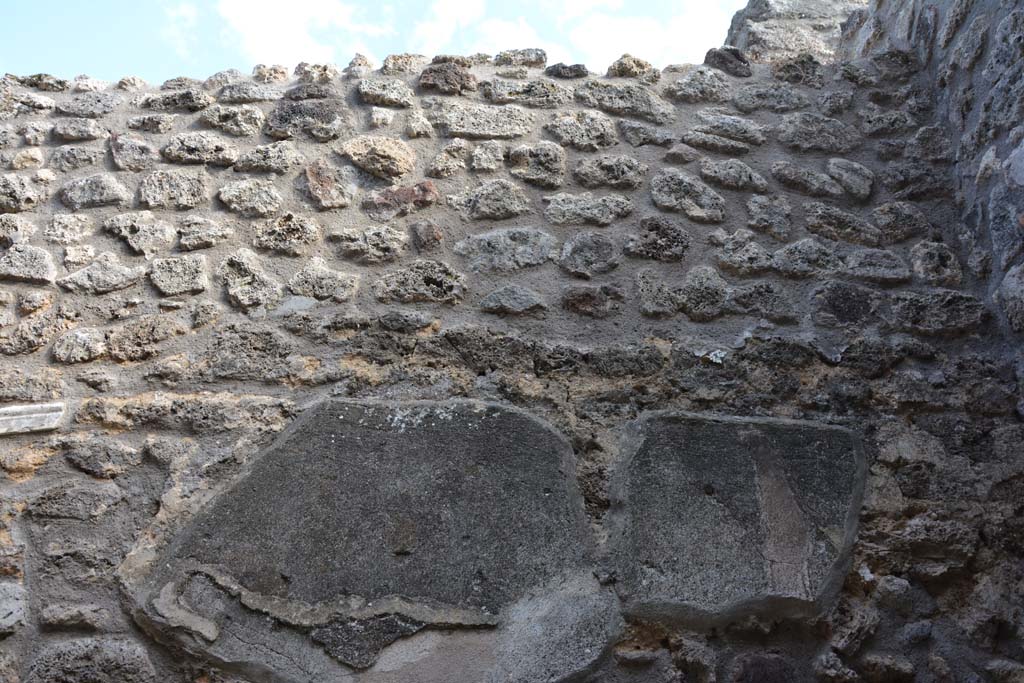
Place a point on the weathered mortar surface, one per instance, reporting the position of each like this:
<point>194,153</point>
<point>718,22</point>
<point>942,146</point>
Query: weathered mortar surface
<point>781,245</point>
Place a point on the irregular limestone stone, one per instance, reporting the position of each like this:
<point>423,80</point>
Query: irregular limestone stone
<point>659,239</point>
<point>289,234</point>
<point>513,300</point>
<point>507,249</point>
<point>178,190</point>
<point>586,131</point>
<point>70,158</point>
<point>188,99</point>
<point>101,189</point>
<point>541,94</point>
<point>857,179</point>
<point>402,64</point>
<point>370,244</point>
<point>142,231</point>
<point>809,132</point>
<point>422,280</point>
<point>197,232</point>
<point>277,157</point>
<point>482,122</point>
<point>593,301</point>
<point>494,200</point>
<point>640,134</point>
<point>703,294</point>
<point>835,224</point>
<point>806,181</point>
<point>200,148</point>
<point>18,193</point>
<point>246,93</point>
<point>776,97</point>
<point>251,198</point>
<point>16,229</point>
<point>330,187</point>
<point>617,171</point>
<point>714,122</point>
<point>132,152</point>
<point>567,71</point>
<point>732,174</point>
<point>586,209</point>
<point>450,160</point>
<point>589,253</point>
<point>179,275</point>
<point>78,130</point>
<point>105,274</point>
<point>248,286</point>
<point>139,338</point>
<point>80,345</point>
<point>628,66</point>
<point>241,121</point>
<point>91,105</point>
<point>739,253</point>
<point>770,215</point>
<point>153,123</point>
<point>400,200</point>
<point>675,190</point>
<point>386,92</point>
<point>774,501</point>
<point>714,143</point>
<point>321,282</point>
<point>542,164</point>
<point>700,84</point>
<point>26,263</point>
<point>380,156</point>
<point>628,99</point>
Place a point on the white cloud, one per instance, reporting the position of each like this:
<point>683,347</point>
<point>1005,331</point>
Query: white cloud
<point>271,31</point>
<point>573,9</point>
<point>447,17</point>
<point>179,29</point>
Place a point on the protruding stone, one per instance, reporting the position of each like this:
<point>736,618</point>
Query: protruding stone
<point>200,148</point>
<point>105,274</point>
<point>628,99</point>
<point>808,132</point>
<point>776,499</point>
<point>507,249</point>
<point>132,152</point>
<point>400,200</point>
<point>372,244</point>
<point>620,172</point>
<point>936,264</point>
<point>586,208</point>
<point>586,131</point>
<point>540,94</point>
<point>241,121</point>
<point>429,281</point>
<point>835,224</point>
<point>770,215</point>
<point>179,275</point>
<point>589,253</point>
<point>855,178</point>
<point>700,84</point>
<point>729,59</point>
<point>179,190</point>
<point>251,198</point>
<point>143,232</point>
<point>542,164</point>
<point>675,190</point>
<point>447,78</point>
<point>659,239</point>
<point>78,130</point>
<point>494,200</point>
<point>289,234</point>
<point>513,300</point>
<point>386,92</point>
<point>277,157</point>
<point>732,174</point>
<point>806,181</point>
<point>26,263</point>
<point>380,156</point>
<point>92,105</point>
<point>321,282</point>
<point>899,221</point>
<point>322,120</point>
<point>101,189</point>
<point>248,286</point>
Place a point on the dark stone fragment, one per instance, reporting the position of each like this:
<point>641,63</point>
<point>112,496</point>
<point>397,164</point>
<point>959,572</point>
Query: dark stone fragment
<point>562,70</point>
<point>312,91</point>
<point>729,59</point>
<point>755,495</point>
<point>804,69</point>
<point>639,134</point>
<point>764,668</point>
<point>320,119</point>
<point>448,78</point>
<point>593,301</point>
<point>359,642</point>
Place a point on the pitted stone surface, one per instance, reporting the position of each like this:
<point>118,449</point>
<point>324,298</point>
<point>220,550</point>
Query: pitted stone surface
<point>717,516</point>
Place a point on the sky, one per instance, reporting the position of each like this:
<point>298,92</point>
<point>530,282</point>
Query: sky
<point>161,39</point>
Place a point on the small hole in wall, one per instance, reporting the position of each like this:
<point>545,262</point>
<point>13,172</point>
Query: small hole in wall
<point>709,490</point>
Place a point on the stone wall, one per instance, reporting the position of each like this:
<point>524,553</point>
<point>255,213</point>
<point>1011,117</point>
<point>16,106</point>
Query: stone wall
<point>480,369</point>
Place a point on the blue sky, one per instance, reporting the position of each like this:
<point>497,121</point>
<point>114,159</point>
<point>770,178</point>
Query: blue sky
<point>160,39</point>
